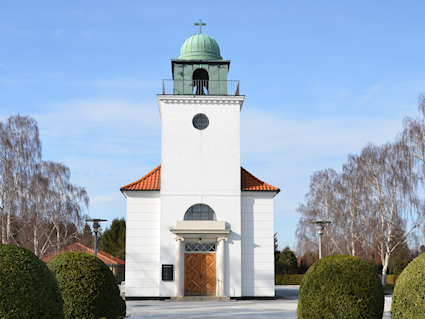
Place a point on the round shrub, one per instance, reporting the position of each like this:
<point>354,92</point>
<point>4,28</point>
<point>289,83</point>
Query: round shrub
<point>409,291</point>
<point>89,289</point>
<point>27,287</point>
<point>340,287</point>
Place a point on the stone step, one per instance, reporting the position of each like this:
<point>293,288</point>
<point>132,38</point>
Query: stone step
<point>199,298</point>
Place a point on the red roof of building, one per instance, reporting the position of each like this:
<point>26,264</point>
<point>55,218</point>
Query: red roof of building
<point>108,259</point>
<point>152,182</point>
<point>251,183</point>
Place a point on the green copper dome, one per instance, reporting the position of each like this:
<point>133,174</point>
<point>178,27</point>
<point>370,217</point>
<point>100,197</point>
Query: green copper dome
<point>200,47</point>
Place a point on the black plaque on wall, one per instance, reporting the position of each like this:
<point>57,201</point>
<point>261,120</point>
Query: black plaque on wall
<point>167,272</point>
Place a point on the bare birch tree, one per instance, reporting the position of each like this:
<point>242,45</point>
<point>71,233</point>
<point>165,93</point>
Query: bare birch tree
<point>390,185</point>
<point>66,204</point>
<point>37,208</point>
<point>20,149</point>
<point>352,204</point>
<point>413,135</point>
<point>37,197</point>
<point>368,204</point>
<point>373,204</point>
<point>32,208</point>
<point>322,203</point>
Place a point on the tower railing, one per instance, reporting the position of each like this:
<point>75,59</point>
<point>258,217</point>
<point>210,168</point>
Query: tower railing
<point>200,87</point>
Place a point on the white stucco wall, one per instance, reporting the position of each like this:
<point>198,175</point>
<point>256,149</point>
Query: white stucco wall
<point>200,162</point>
<point>201,166</point>
<point>257,244</point>
<point>142,265</point>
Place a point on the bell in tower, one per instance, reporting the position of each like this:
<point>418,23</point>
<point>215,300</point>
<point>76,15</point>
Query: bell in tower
<point>200,82</point>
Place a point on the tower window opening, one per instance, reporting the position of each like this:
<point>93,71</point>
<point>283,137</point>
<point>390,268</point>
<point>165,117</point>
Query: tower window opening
<point>200,82</point>
<point>199,212</point>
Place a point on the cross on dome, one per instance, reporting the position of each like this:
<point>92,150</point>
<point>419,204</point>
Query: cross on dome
<point>200,25</point>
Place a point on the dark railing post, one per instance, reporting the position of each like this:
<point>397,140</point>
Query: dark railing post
<point>200,87</point>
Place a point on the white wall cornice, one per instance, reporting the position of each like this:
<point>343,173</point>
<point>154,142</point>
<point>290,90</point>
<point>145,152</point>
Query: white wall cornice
<point>200,100</point>
<point>262,194</point>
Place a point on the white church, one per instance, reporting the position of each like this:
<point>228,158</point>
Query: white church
<point>199,224</point>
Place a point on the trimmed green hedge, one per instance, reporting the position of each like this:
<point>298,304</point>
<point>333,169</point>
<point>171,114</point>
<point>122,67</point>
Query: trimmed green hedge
<point>296,279</point>
<point>341,287</point>
<point>88,287</point>
<point>409,292</point>
<point>288,279</point>
<point>27,287</point>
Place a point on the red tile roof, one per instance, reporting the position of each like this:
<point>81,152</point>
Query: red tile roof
<point>251,183</point>
<point>149,182</point>
<point>108,259</point>
<point>152,182</point>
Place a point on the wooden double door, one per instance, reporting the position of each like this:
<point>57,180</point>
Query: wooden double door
<point>199,274</point>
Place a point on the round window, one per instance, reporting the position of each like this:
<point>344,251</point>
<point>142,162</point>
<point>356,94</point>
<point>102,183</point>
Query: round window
<point>200,121</point>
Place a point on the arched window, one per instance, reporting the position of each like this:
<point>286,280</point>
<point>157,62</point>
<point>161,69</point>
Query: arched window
<point>200,81</point>
<point>199,212</point>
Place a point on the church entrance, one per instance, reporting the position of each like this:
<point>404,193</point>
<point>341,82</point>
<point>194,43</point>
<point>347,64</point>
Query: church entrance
<point>199,274</point>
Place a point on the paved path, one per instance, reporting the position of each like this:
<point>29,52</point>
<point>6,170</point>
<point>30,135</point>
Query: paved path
<point>283,307</point>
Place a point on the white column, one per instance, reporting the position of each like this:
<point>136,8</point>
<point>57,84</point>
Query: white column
<point>179,271</point>
<point>221,266</point>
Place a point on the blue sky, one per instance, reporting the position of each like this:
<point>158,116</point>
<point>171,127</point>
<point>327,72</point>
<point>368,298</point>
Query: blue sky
<point>321,79</point>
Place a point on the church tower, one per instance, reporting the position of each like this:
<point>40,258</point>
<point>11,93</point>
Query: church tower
<point>199,224</point>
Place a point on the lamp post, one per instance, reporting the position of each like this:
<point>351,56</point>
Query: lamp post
<point>319,227</point>
<point>96,229</point>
